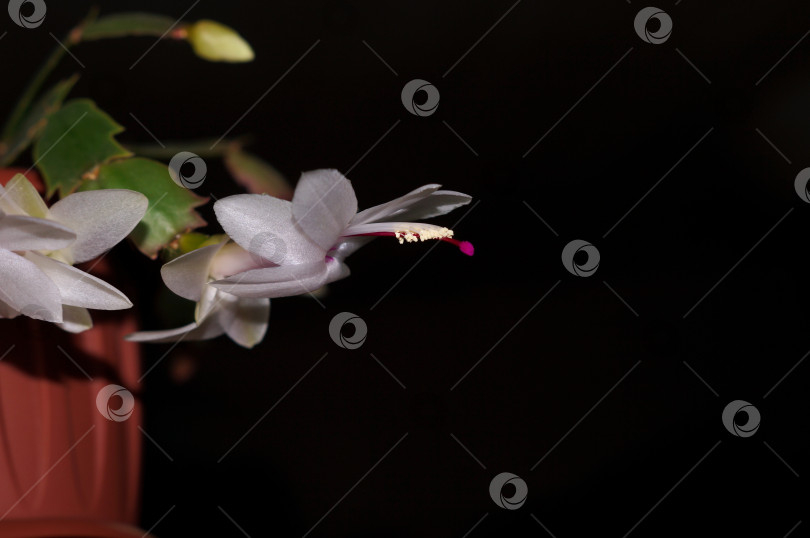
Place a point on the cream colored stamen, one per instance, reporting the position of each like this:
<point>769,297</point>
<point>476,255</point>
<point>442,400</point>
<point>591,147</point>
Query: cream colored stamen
<point>423,234</point>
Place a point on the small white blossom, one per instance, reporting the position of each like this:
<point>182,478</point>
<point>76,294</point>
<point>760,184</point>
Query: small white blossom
<point>313,234</point>
<point>39,245</point>
<point>244,320</point>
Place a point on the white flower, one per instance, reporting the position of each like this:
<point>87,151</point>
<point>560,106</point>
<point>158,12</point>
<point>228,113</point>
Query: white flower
<point>303,243</point>
<point>243,319</point>
<point>39,245</point>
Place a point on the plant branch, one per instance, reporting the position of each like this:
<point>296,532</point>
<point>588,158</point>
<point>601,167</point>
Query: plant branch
<point>24,103</point>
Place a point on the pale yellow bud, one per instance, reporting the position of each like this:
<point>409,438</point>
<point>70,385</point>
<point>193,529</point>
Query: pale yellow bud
<point>216,42</point>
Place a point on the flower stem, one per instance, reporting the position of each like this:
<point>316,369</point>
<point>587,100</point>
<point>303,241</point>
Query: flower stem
<point>24,103</point>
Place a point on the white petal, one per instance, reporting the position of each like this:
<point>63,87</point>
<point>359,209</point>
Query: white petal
<point>20,191</point>
<point>249,323</point>
<point>78,288</point>
<point>100,218</point>
<point>187,275</point>
<point>28,290</point>
<point>210,328</point>
<point>169,335</point>
<point>347,246</point>
<point>8,205</point>
<point>263,225</point>
<point>211,300</point>
<point>283,281</point>
<point>18,232</point>
<point>380,212</point>
<point>75,319</point>
<point>337,271</point>
<point>234,259</point>
<point>323,205</point>
<point>438,203</point>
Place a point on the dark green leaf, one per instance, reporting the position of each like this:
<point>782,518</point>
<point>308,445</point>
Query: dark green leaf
<point>77,139</point>
<point>171,207</point>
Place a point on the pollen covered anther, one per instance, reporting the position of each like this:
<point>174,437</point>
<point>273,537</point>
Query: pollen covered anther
<point>423,234</point>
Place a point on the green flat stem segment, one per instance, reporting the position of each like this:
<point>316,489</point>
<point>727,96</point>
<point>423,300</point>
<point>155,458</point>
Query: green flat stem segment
<point>77,139</point>
<point>35,121</point>
<point>128,24</point>
<point>27,98</point>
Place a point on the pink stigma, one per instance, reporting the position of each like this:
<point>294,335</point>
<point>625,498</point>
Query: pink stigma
<point>464,246</point>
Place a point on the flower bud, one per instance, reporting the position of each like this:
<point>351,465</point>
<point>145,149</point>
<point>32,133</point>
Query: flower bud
<point>218,43</point>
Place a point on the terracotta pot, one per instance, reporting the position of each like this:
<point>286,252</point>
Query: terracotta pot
<point>65,469</point>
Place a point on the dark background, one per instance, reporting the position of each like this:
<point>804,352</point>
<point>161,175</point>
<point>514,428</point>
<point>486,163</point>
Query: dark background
<point>547,367</point>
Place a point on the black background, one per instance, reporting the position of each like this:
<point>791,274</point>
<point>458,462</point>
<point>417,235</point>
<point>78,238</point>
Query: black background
<point>538,392</point>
